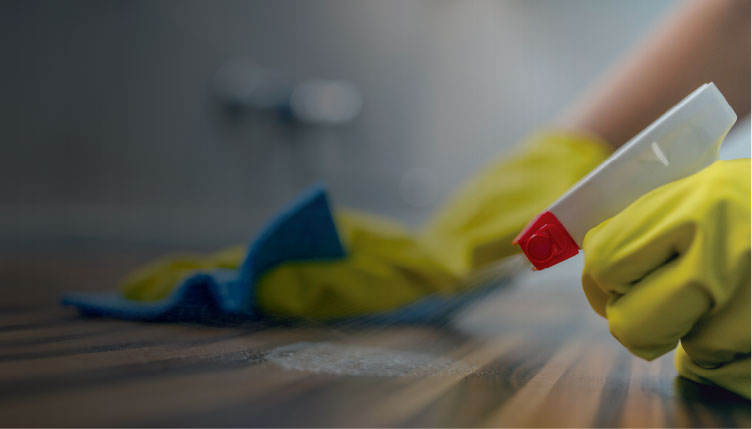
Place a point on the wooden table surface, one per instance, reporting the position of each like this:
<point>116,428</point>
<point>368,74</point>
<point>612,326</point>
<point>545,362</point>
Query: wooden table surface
<point>532,354</point>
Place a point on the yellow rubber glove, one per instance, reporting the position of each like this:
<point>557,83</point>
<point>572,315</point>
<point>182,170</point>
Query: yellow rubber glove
<point>675,266</point>
<point>386,266</point>
<point>477,225</point>
<point>155,280</point>
<point>385,269</point>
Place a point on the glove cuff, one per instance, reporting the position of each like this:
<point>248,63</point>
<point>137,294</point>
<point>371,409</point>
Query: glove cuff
<point>585,145</point>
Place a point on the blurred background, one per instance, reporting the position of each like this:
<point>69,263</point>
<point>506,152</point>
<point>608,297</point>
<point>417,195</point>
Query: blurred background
<point>188,123</point>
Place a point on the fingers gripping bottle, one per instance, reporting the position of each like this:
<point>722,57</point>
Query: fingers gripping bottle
<point>681,142</point>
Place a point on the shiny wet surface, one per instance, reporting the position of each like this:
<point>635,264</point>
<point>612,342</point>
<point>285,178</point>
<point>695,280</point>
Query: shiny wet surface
<point>532,354</point>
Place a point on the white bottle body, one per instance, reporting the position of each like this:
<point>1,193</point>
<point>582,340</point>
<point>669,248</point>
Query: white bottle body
<point>681,142</point>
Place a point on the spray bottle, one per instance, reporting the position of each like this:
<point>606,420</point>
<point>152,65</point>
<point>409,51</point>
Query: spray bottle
<point>681,142</point>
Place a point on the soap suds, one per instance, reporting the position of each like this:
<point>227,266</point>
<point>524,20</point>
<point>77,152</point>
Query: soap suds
<point>339,359</point>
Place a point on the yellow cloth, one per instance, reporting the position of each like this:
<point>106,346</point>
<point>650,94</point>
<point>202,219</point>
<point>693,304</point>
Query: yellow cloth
<point>387,266</point>
<point>675,266</point>
<point>477,225</point>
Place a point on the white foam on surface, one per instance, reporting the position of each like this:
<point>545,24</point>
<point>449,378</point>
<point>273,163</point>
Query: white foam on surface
<point>341,359</point>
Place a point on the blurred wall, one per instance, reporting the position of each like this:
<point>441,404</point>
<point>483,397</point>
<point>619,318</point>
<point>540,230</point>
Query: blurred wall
<point>111,131</point>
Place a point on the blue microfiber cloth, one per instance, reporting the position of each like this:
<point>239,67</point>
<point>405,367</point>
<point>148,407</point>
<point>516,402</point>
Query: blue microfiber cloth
<point>305,231</point>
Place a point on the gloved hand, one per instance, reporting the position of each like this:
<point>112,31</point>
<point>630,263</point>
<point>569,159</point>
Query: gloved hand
<point>477,225</point>
<point>386,267</point>
<point>675,266</point>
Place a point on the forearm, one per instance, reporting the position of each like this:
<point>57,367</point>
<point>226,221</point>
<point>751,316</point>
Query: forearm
<point>706,41</point>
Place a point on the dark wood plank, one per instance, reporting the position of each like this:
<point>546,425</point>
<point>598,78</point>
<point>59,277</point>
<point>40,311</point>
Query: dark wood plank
<point>532,355</point>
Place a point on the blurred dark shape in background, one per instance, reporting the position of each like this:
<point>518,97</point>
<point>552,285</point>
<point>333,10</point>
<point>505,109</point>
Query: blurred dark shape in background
<point>243,86</point>
<point>157,123</point>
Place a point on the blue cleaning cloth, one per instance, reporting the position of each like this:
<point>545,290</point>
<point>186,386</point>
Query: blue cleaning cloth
<point>305,231</point>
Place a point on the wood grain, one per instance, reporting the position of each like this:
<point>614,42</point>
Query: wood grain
<point>542,358</point>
